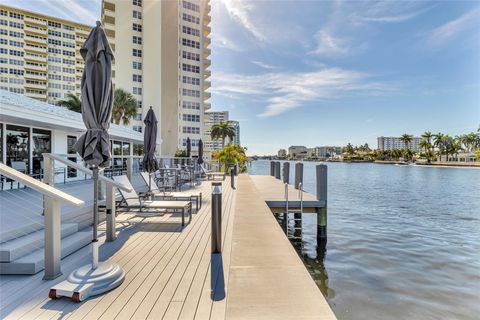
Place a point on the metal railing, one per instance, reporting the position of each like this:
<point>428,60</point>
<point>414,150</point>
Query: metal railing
<point>53,197</point>
<point>53,220</point>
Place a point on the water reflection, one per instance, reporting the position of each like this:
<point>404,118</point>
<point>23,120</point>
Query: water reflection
<point>312,253</point>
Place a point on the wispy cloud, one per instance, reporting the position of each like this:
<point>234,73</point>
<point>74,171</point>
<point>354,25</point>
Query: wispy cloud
<point>328,45</point>
<point>390,11</point>
<point>240,10</point>
<point>449,30</point>
<point>285,91</point>
<point>222,41</point>
<point>263,65</point>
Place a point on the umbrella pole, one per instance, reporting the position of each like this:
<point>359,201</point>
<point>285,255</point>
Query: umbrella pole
<point>95,219</point>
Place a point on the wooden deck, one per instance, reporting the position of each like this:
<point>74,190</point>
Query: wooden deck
<point>171,274</point>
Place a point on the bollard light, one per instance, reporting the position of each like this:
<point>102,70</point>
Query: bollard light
<point>216,217</point>
<point>232,178</point>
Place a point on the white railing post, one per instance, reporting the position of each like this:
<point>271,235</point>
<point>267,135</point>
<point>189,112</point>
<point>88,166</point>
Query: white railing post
<point>130,168</point>
<point>110,216</point>
<point>52,239</point>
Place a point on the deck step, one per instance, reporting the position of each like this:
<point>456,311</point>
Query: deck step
<point>15,231</point>
<point>34,262</point>
<point>17,248</point>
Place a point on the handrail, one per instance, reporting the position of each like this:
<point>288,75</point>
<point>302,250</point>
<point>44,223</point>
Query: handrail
<point>39,186</point>
<point>86,170</point>
<point>300,195</point>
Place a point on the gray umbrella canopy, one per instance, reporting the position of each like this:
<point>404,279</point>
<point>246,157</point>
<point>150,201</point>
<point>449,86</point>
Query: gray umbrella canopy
<point>150,142</point>
<point>189,147</point>
<point>200,152</point>
<point>97,98</point>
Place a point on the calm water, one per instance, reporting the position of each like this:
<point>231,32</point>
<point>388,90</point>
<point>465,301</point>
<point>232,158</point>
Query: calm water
<point>403,241</point>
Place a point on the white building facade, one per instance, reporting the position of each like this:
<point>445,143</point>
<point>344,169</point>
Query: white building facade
<point>390,143</point>
<point>162,58</point>
<point>40,55</point>
<point>29,128</point>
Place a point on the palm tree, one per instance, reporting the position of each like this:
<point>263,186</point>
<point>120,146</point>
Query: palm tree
<point>222,130</point>
<point>349,149</point>
<point>124,107</point>
<point>426,143</point>
<point>439,142</point>
<point>72,103</point>
<point>406,138</point>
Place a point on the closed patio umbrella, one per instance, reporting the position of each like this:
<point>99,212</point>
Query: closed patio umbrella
<point>150,164</point>
<point>200,152</point>
<point>94,147</point>
<point>189,147</point>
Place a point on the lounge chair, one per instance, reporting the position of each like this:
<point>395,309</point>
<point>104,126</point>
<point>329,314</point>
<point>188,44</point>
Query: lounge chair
<point>211,174</point>
<point>132,200</point>
<point>189,196</point>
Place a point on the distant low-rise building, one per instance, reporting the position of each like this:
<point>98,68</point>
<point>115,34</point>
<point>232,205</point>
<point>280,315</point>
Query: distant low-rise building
<point>297,151</point>
<point>391,143</point>
<point>282,153</point>
<point>326,151</point>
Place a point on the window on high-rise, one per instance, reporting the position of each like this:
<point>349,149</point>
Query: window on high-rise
<point>137,2</point>
<point>191,43</point>
<point>190,68</point>
<point>191,31</point>
<point>191,56</point>
<point>137,14</point>
<point>137,65</point>
<point>137,27</point>
<point>137,52</point>
<point>190,18</point>
<point>136,78</point>
<point>191,6</point>
<point>137,40</point>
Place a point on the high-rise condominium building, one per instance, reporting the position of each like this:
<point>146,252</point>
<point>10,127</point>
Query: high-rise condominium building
<point>39,55</point>
<point>162,58</point>
<point>236,127</point>
<point>390,143</point>
<point>212,118</point>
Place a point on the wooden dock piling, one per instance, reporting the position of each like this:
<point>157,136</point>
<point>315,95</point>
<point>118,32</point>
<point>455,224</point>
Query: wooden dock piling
<point>298,174</point>
<point>321,179</point>
<point>272,168</point>
<point>286,172</point>
<point>277,170</point>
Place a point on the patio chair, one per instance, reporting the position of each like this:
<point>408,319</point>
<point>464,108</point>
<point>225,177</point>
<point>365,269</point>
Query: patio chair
<point>132,200</point>
<point>211,174</point>
<point>176,196</point>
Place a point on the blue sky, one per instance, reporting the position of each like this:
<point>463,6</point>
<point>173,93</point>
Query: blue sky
<point>332,72</point>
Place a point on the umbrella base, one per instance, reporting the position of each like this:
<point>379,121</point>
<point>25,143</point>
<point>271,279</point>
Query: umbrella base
<point>85,282</point>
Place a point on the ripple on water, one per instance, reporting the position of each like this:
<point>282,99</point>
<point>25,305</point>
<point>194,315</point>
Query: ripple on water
<point>404,242</point>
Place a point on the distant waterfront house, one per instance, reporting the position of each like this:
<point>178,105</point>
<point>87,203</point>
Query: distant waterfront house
<point>29,128</point>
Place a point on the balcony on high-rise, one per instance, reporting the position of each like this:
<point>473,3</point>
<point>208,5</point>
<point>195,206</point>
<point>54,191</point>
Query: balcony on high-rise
<point>207,52</point>
<point>206,41</point>
<point>206,30</point>
<point>207,73</point>
<point>206,95</point>
<point>206,84</point>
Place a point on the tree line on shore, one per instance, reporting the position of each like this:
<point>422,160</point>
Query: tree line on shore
<point>434,147</point>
